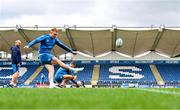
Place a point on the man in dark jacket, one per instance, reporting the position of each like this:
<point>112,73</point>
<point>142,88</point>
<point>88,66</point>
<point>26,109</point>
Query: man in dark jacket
<point>16,62</point>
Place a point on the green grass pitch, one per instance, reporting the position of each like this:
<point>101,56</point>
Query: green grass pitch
<point>91,98</point>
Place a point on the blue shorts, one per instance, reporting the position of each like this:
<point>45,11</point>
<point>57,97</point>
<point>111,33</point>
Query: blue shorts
<point>15,68</point>
<point>45,58</point>
<point>58,78</point>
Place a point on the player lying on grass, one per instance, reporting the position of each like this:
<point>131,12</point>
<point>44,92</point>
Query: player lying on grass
<point>62,76</point>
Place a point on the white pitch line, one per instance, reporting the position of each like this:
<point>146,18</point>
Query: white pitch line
<point>160,91</point>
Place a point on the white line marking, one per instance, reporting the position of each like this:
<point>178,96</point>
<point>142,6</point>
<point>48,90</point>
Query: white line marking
<point>160,91</point>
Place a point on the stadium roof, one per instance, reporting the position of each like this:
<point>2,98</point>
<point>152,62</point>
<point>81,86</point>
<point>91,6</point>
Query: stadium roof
<point>95,41</point>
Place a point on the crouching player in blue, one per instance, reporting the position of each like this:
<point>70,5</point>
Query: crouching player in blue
<point>62,76</point>
<point>47,42</point>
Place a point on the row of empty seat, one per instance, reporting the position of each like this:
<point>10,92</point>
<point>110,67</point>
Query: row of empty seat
<point>108,73</point>
<point>140,72</point>
<point>169,72</point>
<point>6,73</point>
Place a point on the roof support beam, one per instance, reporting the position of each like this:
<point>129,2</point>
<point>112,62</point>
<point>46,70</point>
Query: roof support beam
<point>172,55</point>
<point>25,37</point>
<point>114,37</point>
<point>134,48</point>
<point>71,41</point>
<point>92,43</point>
<point>178,55</point>
<point>158,37</point>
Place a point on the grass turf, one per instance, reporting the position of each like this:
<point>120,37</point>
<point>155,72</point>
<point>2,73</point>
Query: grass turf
<point>92,98</point>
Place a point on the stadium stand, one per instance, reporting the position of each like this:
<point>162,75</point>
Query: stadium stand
<point>25,73</point>
<point>96,46</point>
<point>109,73</point>
<point>169,72</point>
<point>122,73</point>
<point>38,77</point>
<point>95,75</point>
<point>31,78</point>
<point>85,75</point>
<point>157,75</point>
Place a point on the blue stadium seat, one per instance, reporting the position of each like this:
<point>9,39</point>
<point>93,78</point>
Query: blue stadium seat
<point>142,69</point>
<point>6,71</point>
<point>169,72</point>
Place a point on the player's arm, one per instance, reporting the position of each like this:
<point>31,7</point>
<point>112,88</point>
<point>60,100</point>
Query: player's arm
<point>74,75</point>
<point>70,76</point>
<point>67,76</point>
<point>60,44</point>
<point>35,41</point>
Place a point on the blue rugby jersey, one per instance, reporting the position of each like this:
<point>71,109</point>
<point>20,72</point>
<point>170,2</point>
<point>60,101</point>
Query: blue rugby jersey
<point>47,43</point>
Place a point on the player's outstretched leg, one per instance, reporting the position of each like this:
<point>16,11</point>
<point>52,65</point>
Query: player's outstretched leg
<point>60,63</point>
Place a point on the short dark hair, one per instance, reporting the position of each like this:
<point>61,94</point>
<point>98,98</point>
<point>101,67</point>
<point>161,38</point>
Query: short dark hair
<point>73,62</point>
<point>54,29</point>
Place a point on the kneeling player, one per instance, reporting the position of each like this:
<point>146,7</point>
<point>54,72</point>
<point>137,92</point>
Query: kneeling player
<point>62,76</point>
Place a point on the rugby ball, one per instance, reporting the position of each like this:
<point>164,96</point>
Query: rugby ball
<point>119,42</point>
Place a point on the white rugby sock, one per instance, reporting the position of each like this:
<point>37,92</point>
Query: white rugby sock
<point>51,82</point>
